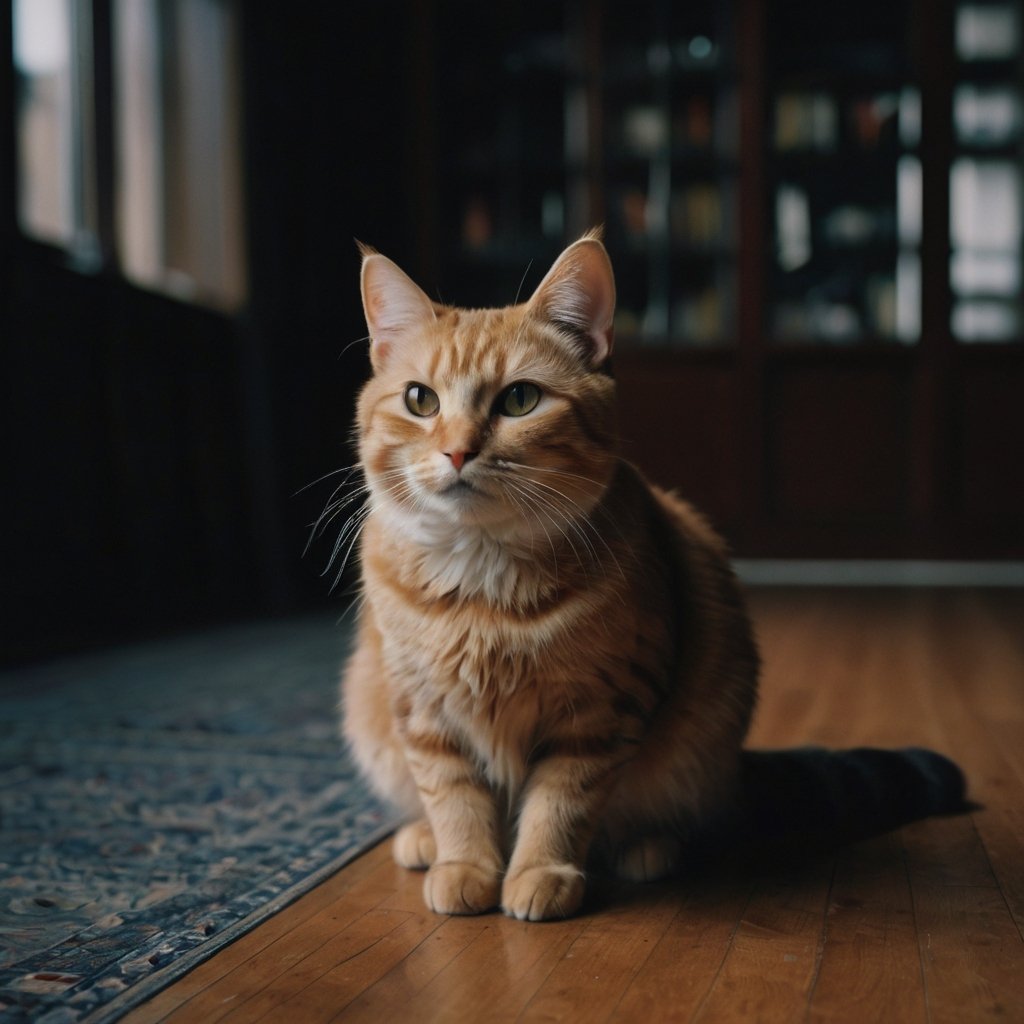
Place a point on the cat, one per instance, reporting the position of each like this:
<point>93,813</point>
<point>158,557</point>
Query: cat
<point>553,662</point>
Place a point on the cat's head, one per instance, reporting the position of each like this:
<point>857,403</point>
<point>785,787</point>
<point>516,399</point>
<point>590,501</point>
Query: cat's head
<point>498,418</point>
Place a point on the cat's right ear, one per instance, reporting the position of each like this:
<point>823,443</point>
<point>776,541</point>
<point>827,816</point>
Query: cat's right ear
<point>394,305</point>
<point>577,296</point>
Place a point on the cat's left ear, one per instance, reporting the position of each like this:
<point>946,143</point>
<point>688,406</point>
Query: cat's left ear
<point>578,296</point>
<point>395,306</point>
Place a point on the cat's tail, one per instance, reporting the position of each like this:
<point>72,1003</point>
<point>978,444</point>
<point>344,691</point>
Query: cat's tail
<point>824,797</point>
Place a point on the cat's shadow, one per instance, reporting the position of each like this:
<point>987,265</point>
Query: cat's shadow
<point>720,873</point>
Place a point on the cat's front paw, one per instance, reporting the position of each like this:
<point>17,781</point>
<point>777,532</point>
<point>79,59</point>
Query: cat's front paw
<point>454,887</point>
<point>542,893</point>
<point>414,847</point>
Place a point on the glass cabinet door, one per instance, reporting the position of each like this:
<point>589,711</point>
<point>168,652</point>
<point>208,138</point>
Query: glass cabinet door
<point>985,178</point>
<point>843,174</point>
<point>670,166</point>
<point>504,116</point>
<point>613,114</point>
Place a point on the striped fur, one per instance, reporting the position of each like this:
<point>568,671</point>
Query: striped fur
<point>553,659</point>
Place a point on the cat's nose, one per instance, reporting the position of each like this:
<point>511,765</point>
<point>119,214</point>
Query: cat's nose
<point>459,459</point>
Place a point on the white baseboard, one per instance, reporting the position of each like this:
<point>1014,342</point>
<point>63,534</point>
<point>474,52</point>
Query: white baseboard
<point>878,573</point>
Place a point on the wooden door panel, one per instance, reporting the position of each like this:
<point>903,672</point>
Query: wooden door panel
<point>837,444</point>
<point>681,423</point>
<point>988,461</point>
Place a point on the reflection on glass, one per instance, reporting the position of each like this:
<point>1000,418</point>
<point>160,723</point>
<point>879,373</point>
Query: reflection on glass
<point>986,116</point>
<point>987,31</point>
<point>986,231</point>
<point>909,200</point>
<point>985,198</point>
<point>670,148</point>
<point>854,266</point>
<point>792,226</point>
<point>985,204</point>
<point>910,116</point>
<point>845,174</point>
<point>805,120</point>
<point>979,320</point>
<point>908,297</point>
<point>985,273</point>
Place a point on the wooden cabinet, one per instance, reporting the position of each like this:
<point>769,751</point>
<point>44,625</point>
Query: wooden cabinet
<point>815,218</point>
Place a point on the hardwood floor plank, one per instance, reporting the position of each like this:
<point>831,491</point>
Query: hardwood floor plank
<point>769,971</point>
<point>976,669</point>
<point>971,949</point>
<point>327,994</point>
<point>1001,829</point>
<point>948,851</point>
<point>971,953</point>
<point>493,979</point>
<point>871,956</point>
<point>308,970</point>
<point>406,981</point>
<point>684,964</point>
<point>604,958</point>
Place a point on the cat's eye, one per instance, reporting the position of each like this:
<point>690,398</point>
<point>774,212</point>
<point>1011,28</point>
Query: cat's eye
<point>421,401</point>
<point>518,399</point>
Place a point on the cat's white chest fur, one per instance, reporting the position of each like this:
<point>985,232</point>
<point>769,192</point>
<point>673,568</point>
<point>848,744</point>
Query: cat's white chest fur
<point>476,562</point>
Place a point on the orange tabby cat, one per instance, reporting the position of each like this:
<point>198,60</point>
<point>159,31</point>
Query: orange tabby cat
<point>552,654</point>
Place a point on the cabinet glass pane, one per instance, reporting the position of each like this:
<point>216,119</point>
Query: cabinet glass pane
<point>987,31</point>
<point>986,186</point>
<point>669,106</point>
<point>598,113</point>
<point>843,173</point>
<point>512,135</point>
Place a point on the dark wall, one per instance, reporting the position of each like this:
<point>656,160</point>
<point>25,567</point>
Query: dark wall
<point>152,451</point>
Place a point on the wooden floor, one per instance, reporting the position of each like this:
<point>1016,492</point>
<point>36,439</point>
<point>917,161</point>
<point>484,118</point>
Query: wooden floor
<point>924,924</point>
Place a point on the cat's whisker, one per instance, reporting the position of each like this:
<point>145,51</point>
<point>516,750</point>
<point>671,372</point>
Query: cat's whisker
<point>349,533</point>
<point>334,472</point>
<point>320,526</point>
<point>578,522</point>
<point>353,525</point>
<point>550,469</point>
<point>354,608</point>
<point>598,510</point>
<point>511,495</point>
<point>348,553</point>
<point>557,517</point>
<point>519,290</point>
<point>352,344</point>
<point>569,525</point>
<point>330,513</point>
<point>335,504</point>
<point>585,519</point>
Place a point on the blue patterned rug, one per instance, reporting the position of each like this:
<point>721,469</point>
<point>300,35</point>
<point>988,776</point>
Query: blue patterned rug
<point>159,801</point>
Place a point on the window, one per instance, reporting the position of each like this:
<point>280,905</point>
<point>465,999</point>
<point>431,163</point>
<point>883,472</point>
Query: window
<point>176,111</point>
<point>56,183</point>
<point>178,135</point>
